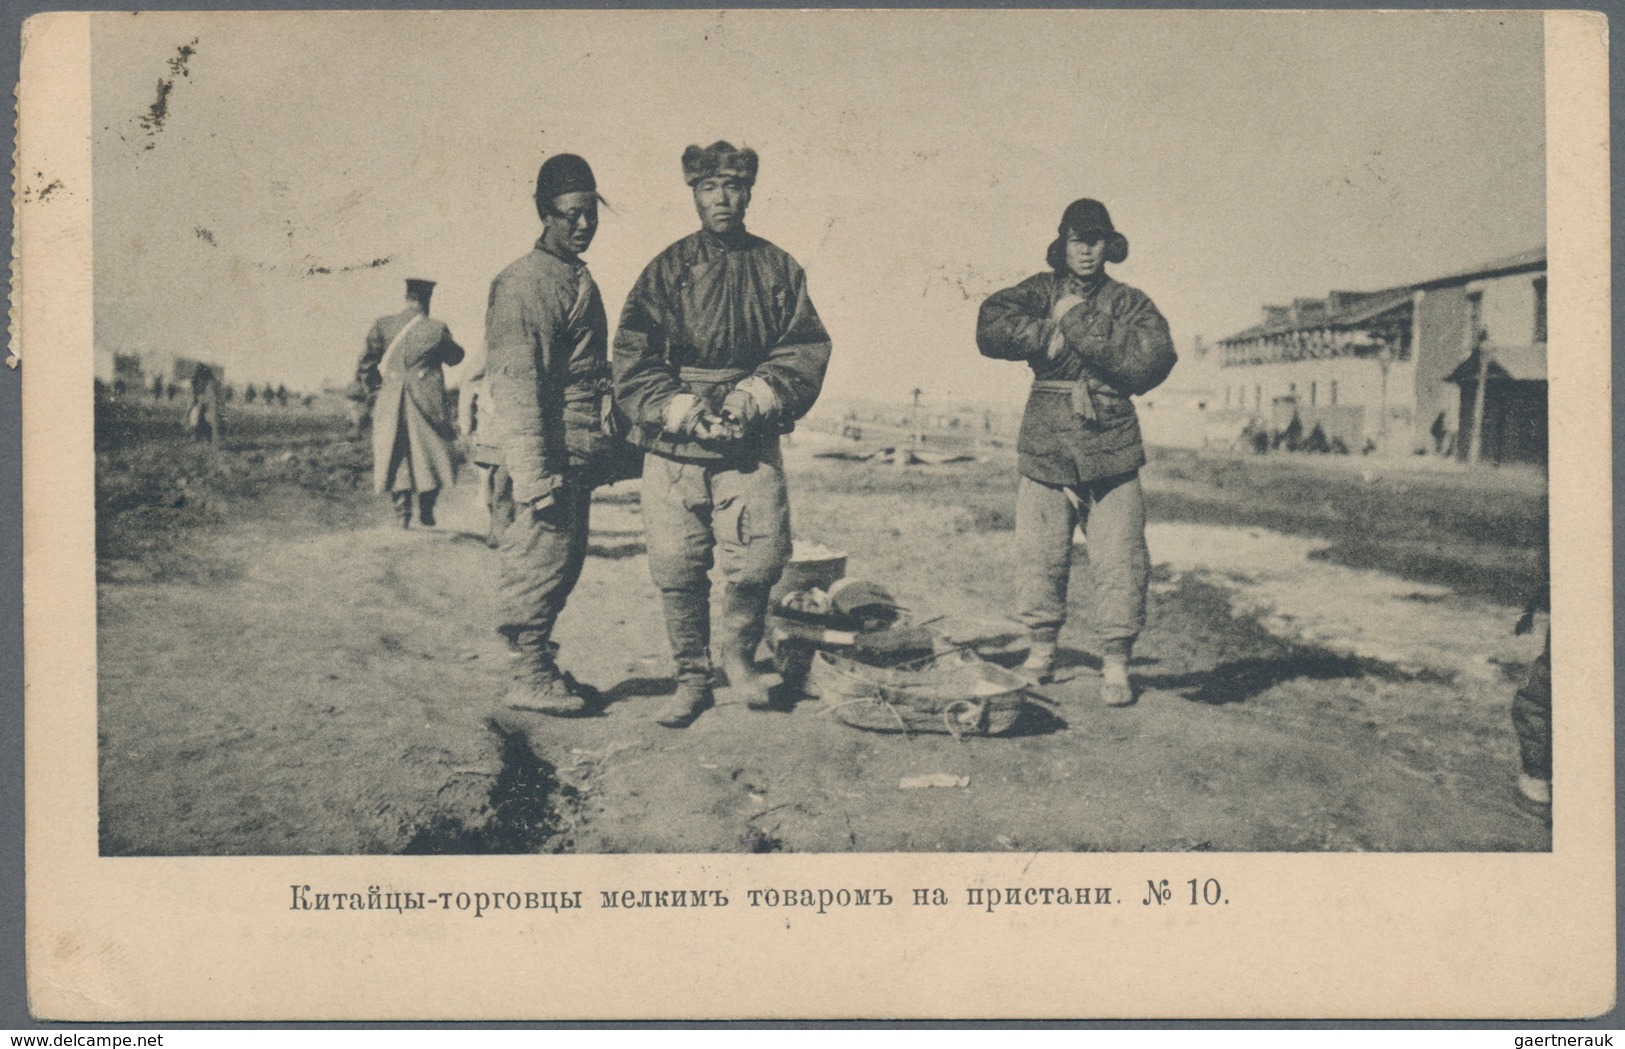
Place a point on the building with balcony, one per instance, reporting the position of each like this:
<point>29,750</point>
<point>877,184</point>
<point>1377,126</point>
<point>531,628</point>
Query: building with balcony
<point>1382,369</point>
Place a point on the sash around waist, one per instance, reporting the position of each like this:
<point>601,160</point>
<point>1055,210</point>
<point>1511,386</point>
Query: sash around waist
<point>1057,385</point>
<point>585,389</point>
<point>712,376</point>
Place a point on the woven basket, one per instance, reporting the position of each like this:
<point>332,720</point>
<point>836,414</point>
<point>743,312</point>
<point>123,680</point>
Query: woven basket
<point>956,693</point>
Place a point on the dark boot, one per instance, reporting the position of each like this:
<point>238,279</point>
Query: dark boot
<point>426,501</point>
<point>744,611</point>
<point>693,698</point>
<point>539,684</point>
<point>402,502</point>
<point>688,627</point>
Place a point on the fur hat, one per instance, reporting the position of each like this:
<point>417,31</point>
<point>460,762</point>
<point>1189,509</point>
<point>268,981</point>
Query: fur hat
<point>1086,216</point>
<point>719,159</point>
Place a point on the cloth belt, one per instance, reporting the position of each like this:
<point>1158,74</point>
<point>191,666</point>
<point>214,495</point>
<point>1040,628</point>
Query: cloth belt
<point>586,389</point>
<point>595,395</point>
<point>713,376</point>
<point>1083,405</point>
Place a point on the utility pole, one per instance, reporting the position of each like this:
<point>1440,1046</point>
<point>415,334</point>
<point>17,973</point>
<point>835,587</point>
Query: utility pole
<point>1481,347</point>
<point>1385,360</point>
<point>919,438</point>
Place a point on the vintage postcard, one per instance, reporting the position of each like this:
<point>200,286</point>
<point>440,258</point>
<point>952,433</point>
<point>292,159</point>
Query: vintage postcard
<point>833,514</point>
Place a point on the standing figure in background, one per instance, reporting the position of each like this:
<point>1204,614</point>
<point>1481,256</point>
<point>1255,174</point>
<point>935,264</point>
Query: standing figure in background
<point>411,433</point>
<point>553,427</point>
<point>203,416</point>
<point>1091,343</point>
<point>719,352</point>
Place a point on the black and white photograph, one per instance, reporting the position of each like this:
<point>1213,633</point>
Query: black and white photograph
<point>773,433</point>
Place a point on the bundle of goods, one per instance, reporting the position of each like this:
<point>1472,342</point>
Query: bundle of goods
<point>851,616</point>
<point>849,642</point>
<point>955,692</point>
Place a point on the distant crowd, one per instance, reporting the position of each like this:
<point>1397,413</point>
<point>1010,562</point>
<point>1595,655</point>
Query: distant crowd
<point>163,390</point>
<point>203,394</point>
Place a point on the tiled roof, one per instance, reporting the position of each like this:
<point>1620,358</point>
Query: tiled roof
<point>1533,259</point>
<point>1366,309</point>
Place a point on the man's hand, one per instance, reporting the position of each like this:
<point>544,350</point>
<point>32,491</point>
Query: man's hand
<point>715,429</point>
<point>1063,306</point>
<point>1057,345</point>
<point>541,497</point>
<point>740,407</point>
<point>1057,341</point>
<point>685,414</point>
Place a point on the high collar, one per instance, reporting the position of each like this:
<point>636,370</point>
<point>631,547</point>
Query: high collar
<point>568,260</point>
<point>734,241</point>
<point>1067,277</point>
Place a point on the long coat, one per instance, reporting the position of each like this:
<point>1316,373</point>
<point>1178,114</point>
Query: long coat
<point>1079,425</point>
<point>412,434</point>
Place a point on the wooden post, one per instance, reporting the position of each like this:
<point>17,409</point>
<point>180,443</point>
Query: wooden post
<point>1475,447</point>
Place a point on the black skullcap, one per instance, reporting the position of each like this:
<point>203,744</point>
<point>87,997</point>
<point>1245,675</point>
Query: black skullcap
<point>564,173</point>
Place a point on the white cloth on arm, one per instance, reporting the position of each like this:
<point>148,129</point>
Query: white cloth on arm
<point>761,391</point>
<point>677,410</point>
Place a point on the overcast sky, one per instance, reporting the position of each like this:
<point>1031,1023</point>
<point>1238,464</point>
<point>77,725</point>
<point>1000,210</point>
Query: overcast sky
<point>913,162</point>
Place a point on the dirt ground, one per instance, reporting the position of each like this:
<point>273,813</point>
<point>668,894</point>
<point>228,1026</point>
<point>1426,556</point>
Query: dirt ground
<point>284,671</point>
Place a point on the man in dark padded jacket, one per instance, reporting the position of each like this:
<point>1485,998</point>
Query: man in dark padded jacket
<point>718,353</point>
<point>1091,343</point>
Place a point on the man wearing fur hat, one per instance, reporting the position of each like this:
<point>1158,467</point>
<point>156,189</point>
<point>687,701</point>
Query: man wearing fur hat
<point>550,424</point>
<point>718,353</point>
<point>1091,343</point>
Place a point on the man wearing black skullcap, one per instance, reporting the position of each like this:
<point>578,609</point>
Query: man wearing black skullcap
<point>718,353</point>
<point>1091,343</point>
<point>412,433</point>
<point>551,421</point>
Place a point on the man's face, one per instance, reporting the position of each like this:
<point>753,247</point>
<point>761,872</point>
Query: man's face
<point>721,202</point>
<point>570,229</point>
<point>1085,251</point>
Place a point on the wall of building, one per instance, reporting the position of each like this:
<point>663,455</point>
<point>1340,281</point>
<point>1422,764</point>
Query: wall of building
<point>1339,381</point>
<point>1509,308</point>
<point>1440,339</point>
<point>1507,312</point>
